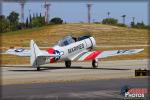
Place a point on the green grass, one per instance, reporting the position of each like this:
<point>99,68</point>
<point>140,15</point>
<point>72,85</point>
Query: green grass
<point>49,35</point>
<point>104,35</point>
<point>26,31</point>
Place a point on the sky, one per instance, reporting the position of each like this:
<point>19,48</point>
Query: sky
<point>74,12</point>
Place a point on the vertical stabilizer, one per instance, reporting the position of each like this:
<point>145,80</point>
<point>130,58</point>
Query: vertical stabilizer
<point>35,52</point>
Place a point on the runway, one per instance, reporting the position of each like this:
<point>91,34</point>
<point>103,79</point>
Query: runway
<point>79,71</point>
<point>82,90</point>
<point>80,81</point>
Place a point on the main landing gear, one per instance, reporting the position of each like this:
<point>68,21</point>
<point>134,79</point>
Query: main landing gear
<point>38,68</point>
<point>68,64</point>
<point>95,63</point>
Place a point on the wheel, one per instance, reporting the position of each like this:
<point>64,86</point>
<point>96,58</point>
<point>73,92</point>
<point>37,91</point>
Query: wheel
<point>68,64</point>
<point>38,68</point>
<point>94,63</point>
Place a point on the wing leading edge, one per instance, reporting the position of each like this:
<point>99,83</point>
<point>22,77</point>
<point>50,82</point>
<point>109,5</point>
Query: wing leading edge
<point>19,52</point>
<point>85,56</point>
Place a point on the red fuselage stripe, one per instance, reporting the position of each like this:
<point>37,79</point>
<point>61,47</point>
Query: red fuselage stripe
<point>92,55</point>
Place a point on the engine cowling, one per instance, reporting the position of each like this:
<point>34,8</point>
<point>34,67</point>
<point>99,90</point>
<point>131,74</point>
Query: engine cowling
<point>90,42</point>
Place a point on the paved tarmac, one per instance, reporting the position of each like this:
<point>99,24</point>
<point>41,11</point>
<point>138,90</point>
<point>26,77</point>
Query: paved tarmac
<point>82,90</point>
<point>78,71</point>
<point>81,81</point>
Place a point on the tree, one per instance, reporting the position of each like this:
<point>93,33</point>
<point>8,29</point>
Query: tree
<point>110,21</point>
<point>13,20</point>
<point>40,15</point>
<point>133,19</point>
<point>21,26</point>
<point>140,25</point>
<point>2,17</point>
<point>123,16</point>
<point>30,17</point>
<point>132,24</point>
<point>108,13</point>
<point>56,20</point>
<point>4,24</point>
<point>122,25</point>
<point>13,17</point>
<point>38,21</point>
<point>27,22</point>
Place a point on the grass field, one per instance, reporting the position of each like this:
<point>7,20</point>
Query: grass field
<point>104,34</point>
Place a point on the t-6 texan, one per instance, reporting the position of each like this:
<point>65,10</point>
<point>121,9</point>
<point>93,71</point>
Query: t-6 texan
<point>68,49</point>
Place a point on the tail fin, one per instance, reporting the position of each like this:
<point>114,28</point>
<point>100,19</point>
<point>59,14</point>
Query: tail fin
<point>35,52</point>
<point>38,57</point>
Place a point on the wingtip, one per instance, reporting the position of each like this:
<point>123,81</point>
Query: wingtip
<point>140,50</point>
<point>31,41</point>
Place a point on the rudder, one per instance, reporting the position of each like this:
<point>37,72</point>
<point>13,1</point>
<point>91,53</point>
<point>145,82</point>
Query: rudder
<point>35,52</point>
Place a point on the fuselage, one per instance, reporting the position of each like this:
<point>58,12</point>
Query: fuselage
<point>69,51</point>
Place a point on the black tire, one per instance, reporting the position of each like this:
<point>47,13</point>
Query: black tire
<point>38,68</point>
<point>94,63</point>
<point>68,64</point>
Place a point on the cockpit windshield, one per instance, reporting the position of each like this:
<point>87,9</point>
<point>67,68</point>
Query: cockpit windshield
<point>69,39</point>
<point>66,41</point>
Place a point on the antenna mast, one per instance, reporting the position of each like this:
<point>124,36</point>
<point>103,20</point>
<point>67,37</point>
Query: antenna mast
<point>47,8</point>
<point>89,5</point>
<point>22,3</point>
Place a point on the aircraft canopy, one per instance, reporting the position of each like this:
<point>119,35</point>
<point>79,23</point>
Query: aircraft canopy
<point>69,39</point>
<point>66,41</point>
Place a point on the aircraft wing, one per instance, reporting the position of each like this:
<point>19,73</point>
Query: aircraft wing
<point>27,53</point>
<point>84,56</point>
<point>19,52</point>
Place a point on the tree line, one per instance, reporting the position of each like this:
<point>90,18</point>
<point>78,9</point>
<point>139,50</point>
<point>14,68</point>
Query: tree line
<point>113,21</point>
<point>11,22</point>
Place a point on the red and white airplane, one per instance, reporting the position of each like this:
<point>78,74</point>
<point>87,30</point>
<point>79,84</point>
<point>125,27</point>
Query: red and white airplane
<point>68,49</point>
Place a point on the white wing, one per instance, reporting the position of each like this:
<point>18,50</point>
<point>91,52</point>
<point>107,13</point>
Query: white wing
<point>19,52</point>
<point>103,54</point>
<point>27,53</point>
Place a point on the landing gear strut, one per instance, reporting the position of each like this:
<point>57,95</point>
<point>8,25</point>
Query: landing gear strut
<point>95,63</point>
<point>38,68</point>
<point>68,64</point>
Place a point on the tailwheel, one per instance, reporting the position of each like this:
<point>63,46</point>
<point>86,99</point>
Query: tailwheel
<point>38,68</point>
<point>68,64</point>
<point>95,63</point>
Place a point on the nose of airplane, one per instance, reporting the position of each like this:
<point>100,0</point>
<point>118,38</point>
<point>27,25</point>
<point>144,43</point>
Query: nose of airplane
<point>93,41</point>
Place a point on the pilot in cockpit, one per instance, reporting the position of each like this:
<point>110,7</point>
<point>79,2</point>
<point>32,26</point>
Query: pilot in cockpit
<point>74,38</point>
